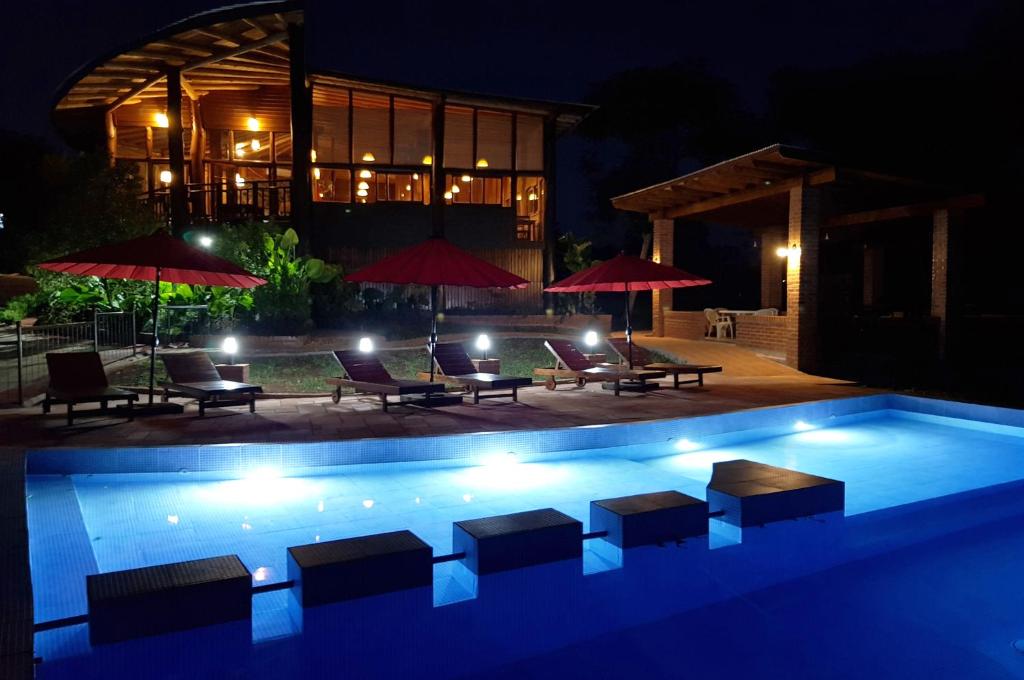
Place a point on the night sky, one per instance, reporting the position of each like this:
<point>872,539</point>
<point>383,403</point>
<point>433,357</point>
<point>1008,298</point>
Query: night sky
<point>549,50</point>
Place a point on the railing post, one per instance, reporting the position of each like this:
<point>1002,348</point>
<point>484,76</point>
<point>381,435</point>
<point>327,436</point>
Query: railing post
<point>21,356</point>
<point>95,331</point>
<point>134,336</point>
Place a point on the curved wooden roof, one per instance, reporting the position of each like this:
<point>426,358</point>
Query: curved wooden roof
<point>237,48</point>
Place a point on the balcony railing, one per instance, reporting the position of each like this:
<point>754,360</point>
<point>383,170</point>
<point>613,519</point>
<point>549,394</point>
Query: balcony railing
<point>221,203</point>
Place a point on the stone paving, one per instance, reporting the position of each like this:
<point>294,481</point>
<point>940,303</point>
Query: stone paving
<point>748,381</point>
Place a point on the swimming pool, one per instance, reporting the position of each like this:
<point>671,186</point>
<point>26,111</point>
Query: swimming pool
<point>915,470</point>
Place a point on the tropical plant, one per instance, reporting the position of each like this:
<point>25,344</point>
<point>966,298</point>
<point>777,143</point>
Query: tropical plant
<point>576,257</point>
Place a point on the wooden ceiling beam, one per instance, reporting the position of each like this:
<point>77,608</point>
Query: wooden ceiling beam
<point>905,211</point>
<point>191,48</point>
<point>786,168</point>
<point>817,178</point>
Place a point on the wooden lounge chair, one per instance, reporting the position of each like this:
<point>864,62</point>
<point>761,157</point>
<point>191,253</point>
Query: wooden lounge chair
<point>455,366</point>
<point>77,378</point>
<point>193,374</point>
<point>570,363</point>
<point>641,357</point>
<point>366,374</point>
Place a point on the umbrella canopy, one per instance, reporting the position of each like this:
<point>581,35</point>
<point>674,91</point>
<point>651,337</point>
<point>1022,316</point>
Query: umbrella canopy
<point>626,273</point>
<point>140,258</point>
<point>436,262</point>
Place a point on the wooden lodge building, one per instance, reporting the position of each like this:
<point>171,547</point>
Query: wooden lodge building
<point>228,121</point>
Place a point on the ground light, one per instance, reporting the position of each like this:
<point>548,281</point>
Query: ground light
<point>206,241</point>
<point>230,347</point>
<point>365,345</point>
<point>590,338</point>
<point>483,343</point>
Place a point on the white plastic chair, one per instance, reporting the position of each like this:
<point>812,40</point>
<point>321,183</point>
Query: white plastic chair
<point>768,311</point>
<point>720,323</point>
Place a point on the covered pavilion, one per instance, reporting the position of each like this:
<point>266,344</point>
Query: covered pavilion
<point>800,205</point>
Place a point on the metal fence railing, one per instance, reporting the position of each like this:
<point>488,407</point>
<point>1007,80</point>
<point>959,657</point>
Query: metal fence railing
<point>23,349</point>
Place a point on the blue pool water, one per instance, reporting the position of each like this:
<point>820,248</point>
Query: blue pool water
<point>897,465</point>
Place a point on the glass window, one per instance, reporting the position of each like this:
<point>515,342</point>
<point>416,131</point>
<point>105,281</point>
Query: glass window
<point>131,142</point>
<point>283,147</point>
<point>160,145</point>
<point>529,143</point>
<point>412,131</point>
<point>468,189</point>
<point>330,125</point>
<point>251,146</point>
<point>332,186</point>
<point>530,208</point>
<point>493,140</point>
<point>371,128</point>
<point>458,137</point>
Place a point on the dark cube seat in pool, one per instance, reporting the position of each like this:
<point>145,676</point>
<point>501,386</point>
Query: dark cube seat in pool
<point>649,518</point>
<point>752,493</point>
<point>135,603</point>
<point>521,539</point>
<point>351,568</point>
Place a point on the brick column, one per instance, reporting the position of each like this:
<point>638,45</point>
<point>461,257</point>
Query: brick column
<point>772,268</point>
<point>663,246</point>
<point>943,273</point>
<point>802,351</point>
<point>874,258</point>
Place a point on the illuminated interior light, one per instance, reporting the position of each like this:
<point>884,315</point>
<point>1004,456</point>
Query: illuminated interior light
<point>312,155</point>
<point>316,173</point>
<point>254,144</point>
<point>428,160</point>
<point>166,176</point>
<point>408,187</point>
<point>467,179</point>
<point>252,124</point>
<point>519,197</point>
<point>369,157</point>
<point>363,185</point>
<point>239,180</point>
<point>416,175</point>
<point>531,196</point>
<point>362,193</point>
<point>448,195</point>
<point>482,163</point>
<point>455,189</point>
<point>161,119</point>
<point>365,174</point>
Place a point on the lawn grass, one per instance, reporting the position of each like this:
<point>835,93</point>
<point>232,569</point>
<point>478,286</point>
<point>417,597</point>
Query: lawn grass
<point>287,373</point>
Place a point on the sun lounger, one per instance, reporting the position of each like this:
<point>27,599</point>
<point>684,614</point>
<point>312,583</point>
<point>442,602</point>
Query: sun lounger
<point>366,374</point>
<point>570,363</point>
<point>456,367</point>
<point>79,378</point>
<point>193,374</point>
<point>641,357</point>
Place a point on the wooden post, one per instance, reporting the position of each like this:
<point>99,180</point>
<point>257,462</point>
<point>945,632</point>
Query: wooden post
<point>772,269</point>
<point>437,205</point>
<point>302,138</point>
<point>108,120</point>
<point>195,153</point>
<point>176,153</point>
<point>550,231</point>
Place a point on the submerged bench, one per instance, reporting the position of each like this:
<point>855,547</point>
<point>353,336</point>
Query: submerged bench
<point>135,603</point>
<point>752,494</point>
<point>351,568</point>
<point>521,539</point>
<point>649,518</point>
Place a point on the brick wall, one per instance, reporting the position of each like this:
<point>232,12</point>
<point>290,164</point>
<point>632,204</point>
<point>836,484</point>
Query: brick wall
<point>686,325</point>
<point>766,334</point>
<point>805,204</point>
<point>661,300</point>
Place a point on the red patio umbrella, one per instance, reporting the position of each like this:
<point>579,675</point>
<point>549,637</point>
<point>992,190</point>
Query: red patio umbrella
<point>436,262</point>
<point>625,274</point>
<point>157,257</point>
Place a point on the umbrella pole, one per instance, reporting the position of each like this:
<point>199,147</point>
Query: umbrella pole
<point>629,331</point>
<point>152,347</point>
<point>433,328</point>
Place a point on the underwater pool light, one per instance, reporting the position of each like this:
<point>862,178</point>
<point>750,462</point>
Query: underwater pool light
<point>368,503</point>
<point>802,426</point>
<point>685,444</point>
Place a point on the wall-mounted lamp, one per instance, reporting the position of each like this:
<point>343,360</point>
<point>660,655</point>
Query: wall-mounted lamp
<point>792,251</point>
